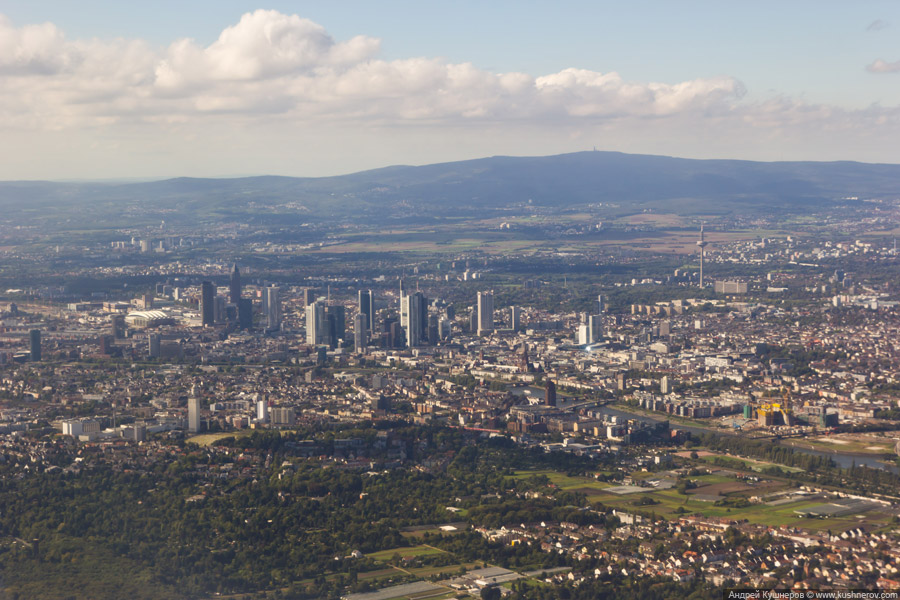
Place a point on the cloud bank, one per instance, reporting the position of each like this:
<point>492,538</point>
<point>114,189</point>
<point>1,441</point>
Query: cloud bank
<point>278,74</point>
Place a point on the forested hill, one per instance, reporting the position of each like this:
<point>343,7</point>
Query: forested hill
<point>629,182</point>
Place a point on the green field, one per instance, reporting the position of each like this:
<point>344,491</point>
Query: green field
<point>410,552</point>
<point>563,481</point>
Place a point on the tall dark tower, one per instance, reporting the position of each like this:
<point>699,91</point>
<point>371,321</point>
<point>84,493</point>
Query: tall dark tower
<point>550,393</point>
<point>234,290</point>
<point>207,303</point>
<point>367,307</point>
<point>35,338</point>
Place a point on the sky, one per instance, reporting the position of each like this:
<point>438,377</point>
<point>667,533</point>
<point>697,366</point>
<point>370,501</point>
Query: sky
<point>112,90</point>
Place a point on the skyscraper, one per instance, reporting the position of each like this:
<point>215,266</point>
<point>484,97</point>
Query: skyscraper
<point>413,318</point>
<point>193,414</point>
<point>367,307</point>
<point>207,304</point>
<point>34,337</point>
<point>360,333</point>
<point>485,312</point>
<point>234,289</point>
<point>336,316</point>
<point>262,411</point>
<point>245,313</point>
<point>315,324</point>
<point>273,308</point>
<point>515,317</point>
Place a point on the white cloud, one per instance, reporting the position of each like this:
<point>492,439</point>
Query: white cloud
<point>286,76</point>
<point>271,63</point>
<point>880,66</point>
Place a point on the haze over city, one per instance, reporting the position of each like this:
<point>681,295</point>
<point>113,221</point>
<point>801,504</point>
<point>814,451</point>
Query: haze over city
<point>106,90</point>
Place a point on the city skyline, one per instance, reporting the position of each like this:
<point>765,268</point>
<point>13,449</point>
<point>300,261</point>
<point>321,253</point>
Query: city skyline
<point>232,89</point>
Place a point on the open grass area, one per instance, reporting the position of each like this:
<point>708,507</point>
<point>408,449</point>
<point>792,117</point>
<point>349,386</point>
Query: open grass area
<point>206,439</point>
<point>411,552</point>
<point>850,443</point>
<point>563,481</point>
<point>748,464</point>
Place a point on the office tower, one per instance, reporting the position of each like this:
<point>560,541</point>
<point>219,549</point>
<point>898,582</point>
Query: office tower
<point>515,317</point>
<point>433,332</point>
<point>273,308</point>
<point>665,329</point>
<point>485,312</point>
<point>245,313</point>
<point>473,319</point>
<point>34,337</point>
<point>315,324</point>
<point>550,393</point>
<point>445,328</point>
<point>308,295</point>
<point>262,411</point>
<point>219,313</point>
<point>367,307</point>
<point>153,350</point>
<point>413,318</point>
<point>106,344</point>
<point>207,304</point>
<point>337,323</point>
<point>595,329</point>
<point>234,289</point>
<point>665,385</point>
<point>117,323</point>
<point>360,332</point>
<point>193,414</point>
<point>600,305</point>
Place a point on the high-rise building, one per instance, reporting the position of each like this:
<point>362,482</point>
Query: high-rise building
<point>336,317</point>
<point>273,308</point>
<point>515,317</point>
<point>360,332</point>
<point>600,305</point>
<point>207,303</point>
<point>154,341</point>
<point>550,393</point>
<point>194,414</point>
<point>234,289</point>
<point>219,312</point>
<point>315,324</point>
<point>414,318</point>
<point>262,411</point>
<point>595,328</point>
<point>485,312</point>
<point>34,338</point>
<point>367,307</point>
<point>308,295</point>
<point>245,313</point>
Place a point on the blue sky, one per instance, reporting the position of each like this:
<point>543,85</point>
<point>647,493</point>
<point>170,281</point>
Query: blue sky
<point>115,90</point>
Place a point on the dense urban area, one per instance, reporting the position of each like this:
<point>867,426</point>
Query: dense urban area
<point>646,406</point>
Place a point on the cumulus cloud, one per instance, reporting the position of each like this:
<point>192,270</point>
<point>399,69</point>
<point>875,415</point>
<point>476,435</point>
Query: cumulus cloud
<point>270,63</point>
<point>287,75</point>
<point>880,66</point>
